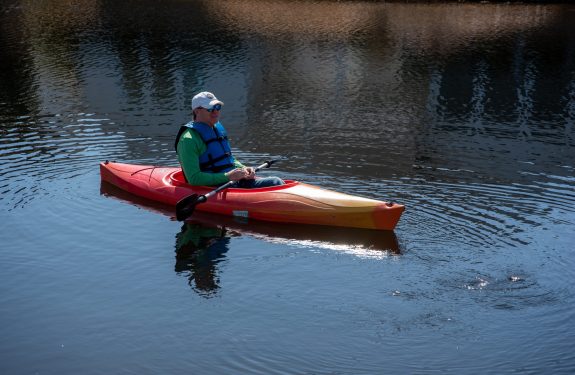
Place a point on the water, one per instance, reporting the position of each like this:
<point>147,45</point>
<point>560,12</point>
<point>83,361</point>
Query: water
<point>462,112</point>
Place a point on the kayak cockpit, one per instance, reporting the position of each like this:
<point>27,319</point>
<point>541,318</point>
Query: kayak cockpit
<point>177,179</point>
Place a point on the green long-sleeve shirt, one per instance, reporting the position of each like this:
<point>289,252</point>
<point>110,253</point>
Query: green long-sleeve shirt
<point>190,147</point>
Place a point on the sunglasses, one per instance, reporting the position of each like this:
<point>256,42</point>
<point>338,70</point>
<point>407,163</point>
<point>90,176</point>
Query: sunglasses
<point>216,107</point>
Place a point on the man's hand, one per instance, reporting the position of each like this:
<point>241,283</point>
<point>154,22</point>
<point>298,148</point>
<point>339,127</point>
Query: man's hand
<point>241,173</point>
<point>251,173</point>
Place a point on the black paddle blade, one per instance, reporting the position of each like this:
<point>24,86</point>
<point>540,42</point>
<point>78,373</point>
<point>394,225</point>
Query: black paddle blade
<point>185,207</point>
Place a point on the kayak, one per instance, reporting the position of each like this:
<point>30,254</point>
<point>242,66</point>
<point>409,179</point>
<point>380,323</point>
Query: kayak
<point>294,202</point>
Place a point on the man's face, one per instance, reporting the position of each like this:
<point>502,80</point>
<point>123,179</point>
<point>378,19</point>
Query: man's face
<point>209,117</point>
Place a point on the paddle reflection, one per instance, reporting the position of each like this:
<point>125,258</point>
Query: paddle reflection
<point>199,250</point>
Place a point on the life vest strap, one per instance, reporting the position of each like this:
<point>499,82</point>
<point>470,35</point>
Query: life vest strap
<point>215,139</point>
<point>209,164</point>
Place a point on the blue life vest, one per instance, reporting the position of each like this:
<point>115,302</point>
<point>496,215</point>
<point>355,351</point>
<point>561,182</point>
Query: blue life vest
<point>218,156</point>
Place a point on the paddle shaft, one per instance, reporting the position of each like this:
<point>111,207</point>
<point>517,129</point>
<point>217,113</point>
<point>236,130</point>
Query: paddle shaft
<point>203,198</point>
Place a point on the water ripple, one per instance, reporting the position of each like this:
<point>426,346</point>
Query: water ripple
<point>481,214</point>
<point>37,151</point>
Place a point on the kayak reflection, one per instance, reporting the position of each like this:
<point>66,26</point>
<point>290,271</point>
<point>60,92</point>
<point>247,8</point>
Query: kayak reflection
<point>199,250</point>
<point>360,242</point>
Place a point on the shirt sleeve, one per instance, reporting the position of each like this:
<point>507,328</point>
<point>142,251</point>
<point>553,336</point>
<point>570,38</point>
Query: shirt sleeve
<point>190,147</point>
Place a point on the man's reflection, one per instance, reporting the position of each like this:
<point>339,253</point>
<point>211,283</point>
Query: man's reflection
<point>199,249</point>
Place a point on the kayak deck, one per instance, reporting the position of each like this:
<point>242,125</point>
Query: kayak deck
<point>294,202</point>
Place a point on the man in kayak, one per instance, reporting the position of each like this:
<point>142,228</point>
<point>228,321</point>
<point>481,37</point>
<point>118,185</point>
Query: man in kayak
<point>205,153</point>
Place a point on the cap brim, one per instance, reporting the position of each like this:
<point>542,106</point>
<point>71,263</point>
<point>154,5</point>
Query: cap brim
<point>214,102</point>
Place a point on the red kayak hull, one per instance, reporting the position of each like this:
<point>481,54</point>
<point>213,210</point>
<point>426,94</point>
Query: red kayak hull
<point>294,202</point>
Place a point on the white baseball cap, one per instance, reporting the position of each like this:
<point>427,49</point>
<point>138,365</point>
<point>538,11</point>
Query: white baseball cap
<point>205,100</point>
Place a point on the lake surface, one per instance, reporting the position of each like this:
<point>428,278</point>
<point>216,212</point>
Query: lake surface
<point>465,113</point>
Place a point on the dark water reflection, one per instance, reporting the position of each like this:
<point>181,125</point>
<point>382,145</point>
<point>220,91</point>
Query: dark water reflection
<point>463,112</point>
<point>198,251</point>
<point>202,243</point>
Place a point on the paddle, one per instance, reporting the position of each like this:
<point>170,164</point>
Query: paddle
<point>185,206</point>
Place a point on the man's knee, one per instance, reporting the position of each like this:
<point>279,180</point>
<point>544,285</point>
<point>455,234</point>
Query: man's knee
<point>275,181</point>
